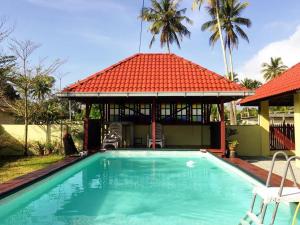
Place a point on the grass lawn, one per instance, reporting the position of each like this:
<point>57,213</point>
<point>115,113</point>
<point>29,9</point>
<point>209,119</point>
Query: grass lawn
<point>11,167</point>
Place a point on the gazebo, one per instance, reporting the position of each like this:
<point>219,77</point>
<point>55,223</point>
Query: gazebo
<point>146,89</point>
<point>283,90</point>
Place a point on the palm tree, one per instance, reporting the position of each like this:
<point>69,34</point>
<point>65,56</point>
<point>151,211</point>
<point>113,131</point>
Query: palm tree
<point>167,21</point>
<point>251,84</point>
<point>42,86</point>
<point>216,5</point>
<point>230,22</point>
<point>234,77</point>
<point>272,70</point>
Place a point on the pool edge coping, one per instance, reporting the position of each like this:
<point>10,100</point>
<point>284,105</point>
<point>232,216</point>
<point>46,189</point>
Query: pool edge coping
<point>21,182</point>
<point>16,184</point>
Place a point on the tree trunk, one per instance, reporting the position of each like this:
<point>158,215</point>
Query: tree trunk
<point>233,104</point>
<point>26,124</point>
<point>221,39</point>
<point>168,45</point>
<point>232,120</point>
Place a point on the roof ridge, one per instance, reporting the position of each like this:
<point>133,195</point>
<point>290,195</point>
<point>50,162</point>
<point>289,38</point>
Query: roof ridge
<point>101,71</point>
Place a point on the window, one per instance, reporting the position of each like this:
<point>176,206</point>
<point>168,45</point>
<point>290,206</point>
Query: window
<point>182,112</point>
<point>114,112</point>
<point>165,110</point>
<point>196,113</point>
<point>129,109</point>
<point>145,109</point>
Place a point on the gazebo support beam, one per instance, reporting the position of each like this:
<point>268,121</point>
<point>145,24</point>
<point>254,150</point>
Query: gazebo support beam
<point>222,128</point>
<point>86,126</point>
<point>153,124</point>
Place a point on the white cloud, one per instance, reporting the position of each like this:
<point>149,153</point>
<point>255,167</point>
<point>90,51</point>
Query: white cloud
<point>79,5</point>
<point>288,49</point>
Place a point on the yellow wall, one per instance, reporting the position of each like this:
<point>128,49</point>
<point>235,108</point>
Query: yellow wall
<point>183,135</point>
<point>178,135</point>
<point>264,123</point>
<point>249,140</point>
<point>297,125</point>
<point>37,132</point>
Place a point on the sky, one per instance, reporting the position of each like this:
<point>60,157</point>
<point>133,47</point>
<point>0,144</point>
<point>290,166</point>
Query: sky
<point>94,34</point>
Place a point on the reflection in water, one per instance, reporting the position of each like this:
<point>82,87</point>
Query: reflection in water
<point>136,191</point>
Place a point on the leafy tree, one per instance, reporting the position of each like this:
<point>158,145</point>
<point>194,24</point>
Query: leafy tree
<point>167,21</point>
<point>26,78</point>
<point>48,112</point>
<point>251,84</point>
<point>6,66</point>
<point>273,69</point>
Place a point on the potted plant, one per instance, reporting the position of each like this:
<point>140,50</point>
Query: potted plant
<point>232,145</point>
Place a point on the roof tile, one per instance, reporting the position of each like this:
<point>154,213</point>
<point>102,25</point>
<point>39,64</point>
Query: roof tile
<point>154,72</point>
<point>288,81</point>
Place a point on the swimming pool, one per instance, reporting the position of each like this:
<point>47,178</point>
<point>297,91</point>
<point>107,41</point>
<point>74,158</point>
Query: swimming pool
<point>138,187</point>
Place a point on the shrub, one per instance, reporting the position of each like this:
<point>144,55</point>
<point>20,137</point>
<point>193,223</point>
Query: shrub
<point>40,147</point>
<point>50,148</point>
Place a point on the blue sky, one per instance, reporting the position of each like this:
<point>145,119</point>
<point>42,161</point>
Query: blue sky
<point>93,34</point>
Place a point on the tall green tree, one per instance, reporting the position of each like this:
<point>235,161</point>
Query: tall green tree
<point>167,21</point>
<point>29,80</point>
<point>273,69</point>
<point>42,86</point>
<point>231,23</point>
<point>216,13</point>
<point>251,84</point>
<point>7,64</point>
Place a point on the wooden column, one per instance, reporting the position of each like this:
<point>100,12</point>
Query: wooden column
<point>153,124</point>
<point>86,127</point>
<point>222,129</point>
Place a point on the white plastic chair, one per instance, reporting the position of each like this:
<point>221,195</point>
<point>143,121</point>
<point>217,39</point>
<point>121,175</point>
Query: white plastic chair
<point>114,136</point>
<point>159,137</point>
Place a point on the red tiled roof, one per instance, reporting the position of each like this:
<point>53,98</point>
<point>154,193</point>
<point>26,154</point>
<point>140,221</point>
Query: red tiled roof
<point>288,81</point>
<point>154,73</point>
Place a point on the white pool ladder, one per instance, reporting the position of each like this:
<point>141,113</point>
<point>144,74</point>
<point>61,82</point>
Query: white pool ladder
<point>274,195</point>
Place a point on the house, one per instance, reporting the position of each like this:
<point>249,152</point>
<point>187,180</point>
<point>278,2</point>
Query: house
<point>146,89</point>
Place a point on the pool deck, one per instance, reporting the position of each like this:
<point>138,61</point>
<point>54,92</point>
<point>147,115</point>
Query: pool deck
<point>254,169</point>
<point>257,172</point>
<point>266,162</point>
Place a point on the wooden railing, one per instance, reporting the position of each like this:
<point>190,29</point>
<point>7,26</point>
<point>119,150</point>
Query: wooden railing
<point>282,137</point>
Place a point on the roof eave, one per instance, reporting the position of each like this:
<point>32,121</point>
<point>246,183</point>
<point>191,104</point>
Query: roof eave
<point>157,94</point>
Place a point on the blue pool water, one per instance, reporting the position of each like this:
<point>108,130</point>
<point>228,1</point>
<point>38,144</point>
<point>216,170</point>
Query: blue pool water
<point>135,188</point>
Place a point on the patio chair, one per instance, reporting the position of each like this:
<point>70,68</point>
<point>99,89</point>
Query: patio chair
<point>114,136</point>
<point>159,137</point>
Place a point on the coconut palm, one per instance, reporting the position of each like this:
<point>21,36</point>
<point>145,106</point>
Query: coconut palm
<point>42,86</point>
<point>273,69</point>
<point>251,83</point>
<point>216,5</point>
<point>230,22</point>
<point>167,21</point>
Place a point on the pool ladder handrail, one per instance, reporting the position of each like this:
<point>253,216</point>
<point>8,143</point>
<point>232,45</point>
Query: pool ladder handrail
<point>260,216</point>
